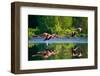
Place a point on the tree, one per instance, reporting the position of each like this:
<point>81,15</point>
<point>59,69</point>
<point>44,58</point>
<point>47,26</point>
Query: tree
<point>85,24</point>
<point>66,22</point>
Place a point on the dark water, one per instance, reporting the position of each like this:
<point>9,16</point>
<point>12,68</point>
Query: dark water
<point>61,46</point>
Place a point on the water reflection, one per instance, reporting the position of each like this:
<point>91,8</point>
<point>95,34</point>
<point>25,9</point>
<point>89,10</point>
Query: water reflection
<point>52,51</point>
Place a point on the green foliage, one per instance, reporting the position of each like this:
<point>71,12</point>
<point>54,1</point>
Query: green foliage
<point>61,25</point>
<point>45,24</point>
<point>85,24</point>
<point>32,32</point>
<point>66,22</point>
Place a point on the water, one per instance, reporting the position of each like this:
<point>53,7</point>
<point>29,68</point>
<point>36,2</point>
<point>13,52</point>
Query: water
<point>59,40</point>
<point>62,47</point>
<point>61,50</point>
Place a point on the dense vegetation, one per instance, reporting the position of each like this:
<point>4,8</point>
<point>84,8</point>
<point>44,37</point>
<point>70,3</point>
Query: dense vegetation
<point>60,25</point>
